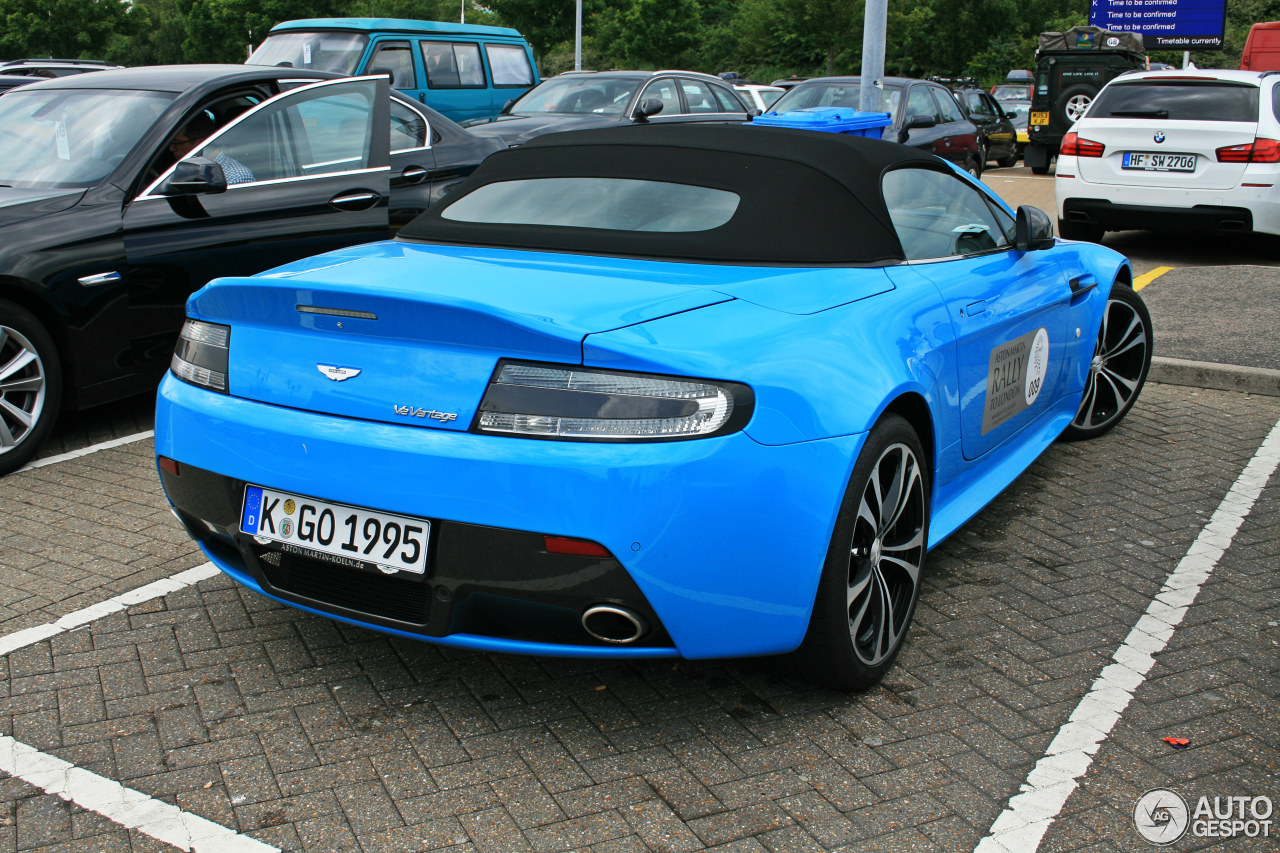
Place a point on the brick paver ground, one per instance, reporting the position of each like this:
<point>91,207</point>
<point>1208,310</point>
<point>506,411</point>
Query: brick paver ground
<point>310,735</point>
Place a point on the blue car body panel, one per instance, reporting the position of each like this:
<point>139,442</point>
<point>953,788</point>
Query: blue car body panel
<point>725,536</point>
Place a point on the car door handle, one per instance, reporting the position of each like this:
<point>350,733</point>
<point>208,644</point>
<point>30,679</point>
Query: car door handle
<point>414,174</point>
<point>100,278</point>
<point>361,200</point>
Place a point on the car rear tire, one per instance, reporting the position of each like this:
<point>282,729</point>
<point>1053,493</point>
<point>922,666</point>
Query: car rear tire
<point>1081,231</point>
<point>1121,361</point>
<point>1073,102</point>
<point>30,385</point>
<point>871,578</point>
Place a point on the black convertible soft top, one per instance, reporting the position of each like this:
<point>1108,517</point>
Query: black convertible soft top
<point>807,197</point>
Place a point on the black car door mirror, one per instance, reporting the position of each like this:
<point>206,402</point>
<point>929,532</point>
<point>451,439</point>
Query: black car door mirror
<point>647,107</point>
<point>195,176</point>
<point>919,120</point>
<point>1032,230</point>
<point>506,108</point>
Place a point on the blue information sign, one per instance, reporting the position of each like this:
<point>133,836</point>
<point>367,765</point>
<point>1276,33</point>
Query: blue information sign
<point>1164,24</point>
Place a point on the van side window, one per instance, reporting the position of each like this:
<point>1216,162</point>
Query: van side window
<point>509,64</point>
<point>394,58</point>
<point>453,65</point>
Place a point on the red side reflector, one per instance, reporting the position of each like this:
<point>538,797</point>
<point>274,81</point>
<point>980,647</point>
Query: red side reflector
<point>576,547</point>
<point>1074,146</point>
<point>170,465</point>
<point>1062,175</point>
<point>1261,150</point>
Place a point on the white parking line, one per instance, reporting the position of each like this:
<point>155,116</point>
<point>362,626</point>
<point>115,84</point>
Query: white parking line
<point>98,794</point>
<point>125,806</point>
<point>1020,828</point>
<point>85,451</point>
<point>155,589</point>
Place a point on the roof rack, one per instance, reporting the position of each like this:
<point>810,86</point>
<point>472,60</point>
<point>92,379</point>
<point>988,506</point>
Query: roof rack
<point>10,63</point>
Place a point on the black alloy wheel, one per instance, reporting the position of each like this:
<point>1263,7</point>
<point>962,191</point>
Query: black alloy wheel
<point>1121,360</point>
<point>30,385</point>
<point>871,579</point>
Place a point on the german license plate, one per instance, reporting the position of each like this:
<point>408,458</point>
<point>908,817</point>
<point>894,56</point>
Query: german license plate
<point>1039,118</point>
<point>1151,162</point>
<point>351,536</point>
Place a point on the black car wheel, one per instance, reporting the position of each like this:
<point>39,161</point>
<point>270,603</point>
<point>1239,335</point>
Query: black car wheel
<point>871,579</point>
<point>30,385</point>
<point>1121,360</point>
<point>1011,159</point>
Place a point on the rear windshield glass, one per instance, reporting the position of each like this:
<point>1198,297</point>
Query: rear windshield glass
<point>1193,101</point>
<point>616,204</point>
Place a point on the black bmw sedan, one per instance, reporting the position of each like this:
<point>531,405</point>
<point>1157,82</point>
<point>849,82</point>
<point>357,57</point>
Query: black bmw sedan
<point>123,191</point>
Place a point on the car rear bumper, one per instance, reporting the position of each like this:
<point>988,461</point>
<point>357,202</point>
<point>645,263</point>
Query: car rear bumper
<point>1119,217</point>
<point>717,544</point>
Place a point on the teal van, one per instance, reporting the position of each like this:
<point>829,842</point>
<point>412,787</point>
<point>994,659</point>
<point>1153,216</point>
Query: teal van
<point>462,70</point>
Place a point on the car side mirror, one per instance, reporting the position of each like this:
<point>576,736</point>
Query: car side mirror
<point>506,108</point>
<point>1032,230</point>
<point>1011,116</point>
<point>195,176</point>
<point>920,120</point>
<point>648,107</point>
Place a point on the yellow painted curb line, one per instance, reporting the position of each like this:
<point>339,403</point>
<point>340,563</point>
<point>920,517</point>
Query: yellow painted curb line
<point>1148,277</point>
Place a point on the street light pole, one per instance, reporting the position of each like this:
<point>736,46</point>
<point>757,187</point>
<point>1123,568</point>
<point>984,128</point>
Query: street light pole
<point>577,37</point>
<point>874,26</point>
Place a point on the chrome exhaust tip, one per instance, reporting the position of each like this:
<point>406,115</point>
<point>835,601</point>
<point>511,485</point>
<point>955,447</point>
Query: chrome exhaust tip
<point>610,623</point>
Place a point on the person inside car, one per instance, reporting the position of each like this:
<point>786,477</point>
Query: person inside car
<point>199,128</point>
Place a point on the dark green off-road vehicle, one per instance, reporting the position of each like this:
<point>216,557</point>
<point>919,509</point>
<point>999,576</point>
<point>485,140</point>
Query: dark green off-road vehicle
<point>1070,69</point>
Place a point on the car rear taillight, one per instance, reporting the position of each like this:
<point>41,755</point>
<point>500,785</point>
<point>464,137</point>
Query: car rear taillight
<point>1259,151</point>
<point>586,404</point>
<point>201,355</point>
<point>1074,146</point>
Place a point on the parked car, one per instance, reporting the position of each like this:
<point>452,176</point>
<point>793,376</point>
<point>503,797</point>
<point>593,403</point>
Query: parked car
<point>54,67</point>
<point>758,97</point>
<point>13,81</point>
<point>1070,69</point>
<point>464,71</point>
<point>124,191</point>
<point>1262,47</point>
<point>924,114</point>
<point>1017,85</point>
<point>657,391</point>
<point>1021,114</point>
<point>577,100</point>
<point>788,82</point>
<point>1174,151</point>
<point>997,136</point>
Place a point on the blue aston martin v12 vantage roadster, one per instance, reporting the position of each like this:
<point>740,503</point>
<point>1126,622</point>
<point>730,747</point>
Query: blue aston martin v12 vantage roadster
<point>699,391</point>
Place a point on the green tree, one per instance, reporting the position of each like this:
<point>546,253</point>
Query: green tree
<point>67,29</point>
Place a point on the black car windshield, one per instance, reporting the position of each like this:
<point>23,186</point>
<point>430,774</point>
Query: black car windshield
<point>1208,101</point>
<point>834,94</point>
<point>315,51</point>
<point>71,137</point>
<point>594,93</point>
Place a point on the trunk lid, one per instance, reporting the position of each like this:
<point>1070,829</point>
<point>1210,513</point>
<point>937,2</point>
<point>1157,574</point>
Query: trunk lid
<point>1199,138</point>
<point>411,334</point>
